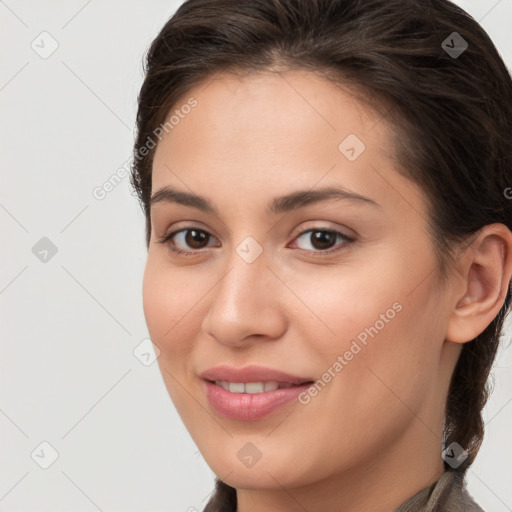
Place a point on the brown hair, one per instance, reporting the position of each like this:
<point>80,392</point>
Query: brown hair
<point>452,116</point>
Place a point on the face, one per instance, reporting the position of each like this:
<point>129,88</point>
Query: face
<point>336,289</point>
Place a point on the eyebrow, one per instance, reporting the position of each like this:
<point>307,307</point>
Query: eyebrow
<point>281,204</point>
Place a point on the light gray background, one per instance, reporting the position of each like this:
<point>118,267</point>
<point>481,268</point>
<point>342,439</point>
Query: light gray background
<point>70,325</point>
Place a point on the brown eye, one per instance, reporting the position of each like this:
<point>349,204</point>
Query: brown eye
<point>322,240</point>
<point>195,238</point>
<point>187,241</point>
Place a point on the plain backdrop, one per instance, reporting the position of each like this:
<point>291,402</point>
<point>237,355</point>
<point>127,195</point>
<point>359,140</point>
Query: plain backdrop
<point>78,395</point>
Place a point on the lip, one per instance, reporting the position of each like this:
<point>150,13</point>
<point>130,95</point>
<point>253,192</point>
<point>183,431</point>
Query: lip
<point>252,373</point>
<point>251,406</point>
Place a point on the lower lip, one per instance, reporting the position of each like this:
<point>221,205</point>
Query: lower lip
<point>250,406</point>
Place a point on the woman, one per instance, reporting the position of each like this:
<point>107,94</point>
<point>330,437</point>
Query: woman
<point>329,245</point>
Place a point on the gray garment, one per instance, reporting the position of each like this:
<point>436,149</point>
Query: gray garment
<point>448,494</point>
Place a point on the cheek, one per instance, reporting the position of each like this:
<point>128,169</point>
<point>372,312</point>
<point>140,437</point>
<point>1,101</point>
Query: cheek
<point>169,305</point>
<point>346,304</point>
<point>170,310</point>
<point>392,314</point>
<point>384,334</point>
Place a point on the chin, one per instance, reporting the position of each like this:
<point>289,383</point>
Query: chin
<point>273,473</point>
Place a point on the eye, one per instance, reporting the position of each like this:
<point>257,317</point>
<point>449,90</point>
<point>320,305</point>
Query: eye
<point>189,238</point>
<point>323,240</point>
<point>319,240</point>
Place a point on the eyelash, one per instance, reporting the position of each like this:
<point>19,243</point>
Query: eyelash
<point>346,239</point>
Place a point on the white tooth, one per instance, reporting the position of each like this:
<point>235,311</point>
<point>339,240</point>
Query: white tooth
<point>223,384</point>
<point>254,387</point>
<point>236,387</point>
<point>250,387</point>
<point>270,386</point>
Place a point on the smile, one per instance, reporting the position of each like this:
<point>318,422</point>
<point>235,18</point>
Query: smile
<point>251,401</point>
<point>251,387</point>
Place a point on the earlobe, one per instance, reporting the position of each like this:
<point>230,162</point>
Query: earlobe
<point>487,269</point>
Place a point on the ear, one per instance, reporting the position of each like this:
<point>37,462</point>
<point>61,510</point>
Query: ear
<point>485,269</point>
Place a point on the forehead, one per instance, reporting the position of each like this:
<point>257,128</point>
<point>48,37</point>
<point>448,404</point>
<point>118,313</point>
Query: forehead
<point>274,131</point>
<point>273,104</point>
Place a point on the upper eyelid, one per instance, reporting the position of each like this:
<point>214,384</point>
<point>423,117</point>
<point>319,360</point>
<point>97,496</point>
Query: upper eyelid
<point>294,233</point>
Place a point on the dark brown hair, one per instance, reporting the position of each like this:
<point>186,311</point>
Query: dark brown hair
<point>451,115</point>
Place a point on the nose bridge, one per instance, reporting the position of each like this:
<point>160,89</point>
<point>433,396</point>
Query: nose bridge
<point>243,302</point>
<point>240,291</point>
<point>247,266</point>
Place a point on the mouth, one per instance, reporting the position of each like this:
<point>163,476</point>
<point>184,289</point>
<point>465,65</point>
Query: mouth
<point>251,401</point>
<point>255,387</point>
<point>251,393</point>
<point>253,376</point>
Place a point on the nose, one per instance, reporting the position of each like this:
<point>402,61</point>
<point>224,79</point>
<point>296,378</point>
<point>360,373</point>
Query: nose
<point>246,305</point>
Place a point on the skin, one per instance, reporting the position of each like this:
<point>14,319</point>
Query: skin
<point>372,437</point>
